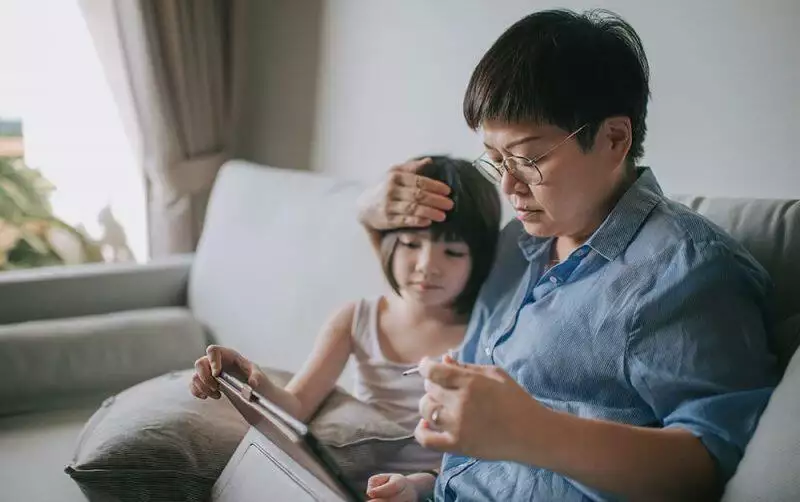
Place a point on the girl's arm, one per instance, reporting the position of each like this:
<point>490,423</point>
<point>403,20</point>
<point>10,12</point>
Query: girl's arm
<point>311,385</point>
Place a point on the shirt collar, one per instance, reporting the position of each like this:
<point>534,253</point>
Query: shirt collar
<point>619,227</point>
<point>532,247</point>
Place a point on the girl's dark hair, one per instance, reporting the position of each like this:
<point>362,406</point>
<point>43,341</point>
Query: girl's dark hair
<point>474,219</point>
<point>566,69</point>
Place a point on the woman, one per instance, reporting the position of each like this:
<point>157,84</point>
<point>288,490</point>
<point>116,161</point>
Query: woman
<point>617,349</point>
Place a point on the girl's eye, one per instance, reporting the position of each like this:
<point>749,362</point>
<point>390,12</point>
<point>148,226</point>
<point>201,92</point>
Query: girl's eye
<point>410,244</point>
<point>455,253</point>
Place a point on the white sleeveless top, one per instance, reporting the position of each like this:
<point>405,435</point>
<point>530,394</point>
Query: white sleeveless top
<point>380,383</point>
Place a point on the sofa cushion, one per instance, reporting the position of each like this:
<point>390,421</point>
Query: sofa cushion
<point>286,248</point>
<point>768,471</point>
<point>58,363</point>
<point>770,231</point>
<point>156,442</point>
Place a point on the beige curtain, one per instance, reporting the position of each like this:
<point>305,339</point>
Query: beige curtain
<point>173,66</point>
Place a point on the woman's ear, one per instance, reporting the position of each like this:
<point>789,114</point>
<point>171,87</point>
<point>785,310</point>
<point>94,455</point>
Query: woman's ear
<point>615,136</point>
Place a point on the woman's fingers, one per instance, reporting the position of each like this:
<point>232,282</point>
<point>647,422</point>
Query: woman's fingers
<point>421,188</point>
<point>416,200</point>
<point>435,413</point>
<point>418,185</point>
<point>404,209</point>
<point>404,199</point>
<point>448,359</point>
<point>445,397</point>
<point>420,197</point>
<point>446,375</point>
<point>431,438</point>
<point>408,194</point>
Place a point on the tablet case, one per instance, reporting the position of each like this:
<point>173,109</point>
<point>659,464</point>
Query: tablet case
<point>278,459</point>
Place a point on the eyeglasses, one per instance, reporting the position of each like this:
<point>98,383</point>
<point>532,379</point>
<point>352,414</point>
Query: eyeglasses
<point>522,168</point>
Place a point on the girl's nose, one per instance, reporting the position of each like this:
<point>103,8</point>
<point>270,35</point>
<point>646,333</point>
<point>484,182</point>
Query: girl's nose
<point>427,262</point>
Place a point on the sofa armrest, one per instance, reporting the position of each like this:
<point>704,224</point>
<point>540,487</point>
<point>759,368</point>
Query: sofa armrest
<point>59,362</point>
<point>58,292</point>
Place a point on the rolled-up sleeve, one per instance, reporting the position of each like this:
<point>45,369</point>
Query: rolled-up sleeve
<point>697,351</point>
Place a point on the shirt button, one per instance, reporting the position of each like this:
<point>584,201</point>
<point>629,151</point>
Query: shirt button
<point>553,279</point>
<point>488,351</point>
<point>580,252</point>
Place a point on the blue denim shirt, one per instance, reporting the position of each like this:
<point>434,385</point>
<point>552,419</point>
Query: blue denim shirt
<point>658,321</point>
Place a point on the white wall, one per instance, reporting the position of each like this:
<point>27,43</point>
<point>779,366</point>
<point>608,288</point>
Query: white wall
<point>390,77</point>
<point>279,83</point>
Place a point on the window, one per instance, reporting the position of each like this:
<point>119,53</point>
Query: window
<point>54,97</point>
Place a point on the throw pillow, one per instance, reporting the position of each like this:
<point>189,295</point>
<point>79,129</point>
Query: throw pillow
<point>157,442</point>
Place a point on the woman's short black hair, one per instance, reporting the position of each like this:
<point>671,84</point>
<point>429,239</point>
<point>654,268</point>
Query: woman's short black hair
<point>566,69</point>
<point>474,219</point>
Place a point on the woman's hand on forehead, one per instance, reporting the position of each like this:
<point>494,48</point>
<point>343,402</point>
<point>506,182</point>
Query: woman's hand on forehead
<point>405,199</point>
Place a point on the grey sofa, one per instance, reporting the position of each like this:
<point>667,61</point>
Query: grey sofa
<point>281,249</point>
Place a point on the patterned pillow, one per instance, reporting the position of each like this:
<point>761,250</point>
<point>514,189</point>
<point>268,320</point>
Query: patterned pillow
<point>157,442</point>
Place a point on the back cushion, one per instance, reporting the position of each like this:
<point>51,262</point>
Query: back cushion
<point>770,230</point>
<point>281,250</point>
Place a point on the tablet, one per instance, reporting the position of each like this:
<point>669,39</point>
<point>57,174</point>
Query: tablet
<point>293,438</point>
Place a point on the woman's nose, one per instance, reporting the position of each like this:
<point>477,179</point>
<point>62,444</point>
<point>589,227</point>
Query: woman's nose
<point>512,186</point>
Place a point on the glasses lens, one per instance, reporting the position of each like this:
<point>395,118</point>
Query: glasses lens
<point>524,170</point>
<point>489,170</point>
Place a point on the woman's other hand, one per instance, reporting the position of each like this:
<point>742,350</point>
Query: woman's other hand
<point>476,410</point>
<point>404,199</point>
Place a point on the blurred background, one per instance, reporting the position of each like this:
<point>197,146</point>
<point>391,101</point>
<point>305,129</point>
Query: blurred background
<point>127,109</point>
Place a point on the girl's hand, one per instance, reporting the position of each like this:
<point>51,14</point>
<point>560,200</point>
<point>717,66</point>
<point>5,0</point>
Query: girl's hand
<point>480,411</point>
<point>204,384</point>
<point>404,199</point>
<point>391,488</point>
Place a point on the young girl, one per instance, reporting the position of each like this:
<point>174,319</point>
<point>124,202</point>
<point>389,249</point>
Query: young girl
<point>435,273</point>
